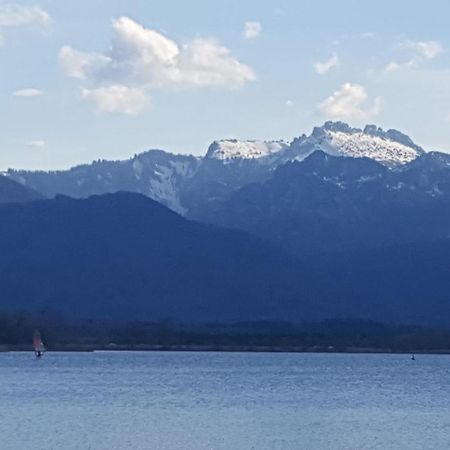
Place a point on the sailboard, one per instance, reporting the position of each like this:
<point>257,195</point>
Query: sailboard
<point>38,345</point>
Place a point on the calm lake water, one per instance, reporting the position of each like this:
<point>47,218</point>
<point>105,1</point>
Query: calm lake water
<point>235,401</point>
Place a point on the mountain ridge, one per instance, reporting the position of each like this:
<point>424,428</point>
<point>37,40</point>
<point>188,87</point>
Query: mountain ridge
<point>189,184</point>
<point>326,203</point>
<point>123,255</point>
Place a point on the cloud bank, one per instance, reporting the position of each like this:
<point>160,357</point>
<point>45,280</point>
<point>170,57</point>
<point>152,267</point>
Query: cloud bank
<point>141,59</point>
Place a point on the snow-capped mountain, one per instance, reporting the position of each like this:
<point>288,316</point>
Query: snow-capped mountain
<point>390,148</point>
<point>232,149</point>
<point>189,184</point>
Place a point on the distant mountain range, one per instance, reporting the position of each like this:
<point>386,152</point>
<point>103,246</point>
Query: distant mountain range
<point>190,185</point>
<point>344,223</point>
<point>327,203</point>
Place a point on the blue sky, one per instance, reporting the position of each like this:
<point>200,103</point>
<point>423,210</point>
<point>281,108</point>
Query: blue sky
<point>109,78</point>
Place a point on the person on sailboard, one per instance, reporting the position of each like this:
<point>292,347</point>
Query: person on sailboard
<point>38,345</point>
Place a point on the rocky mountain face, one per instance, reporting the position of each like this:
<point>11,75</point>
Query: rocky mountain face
<point>390,148</point>
<point>192,185</point>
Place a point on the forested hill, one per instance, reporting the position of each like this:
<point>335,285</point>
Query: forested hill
<point>126,256</point>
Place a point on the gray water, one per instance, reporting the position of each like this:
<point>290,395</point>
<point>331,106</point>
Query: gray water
<point>223,401</point>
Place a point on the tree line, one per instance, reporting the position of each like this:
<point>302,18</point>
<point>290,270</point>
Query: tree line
<point>60,333</point>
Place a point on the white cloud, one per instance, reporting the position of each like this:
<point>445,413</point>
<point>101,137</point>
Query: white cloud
<point>15,15</point>
<point>36,144</point>
<point>252,30</point>
<point>29,92</point>
<point>81,65</point>
<point>350,102</point>
<point>117,99</point>
<point>392,67</point>
<point>424,49</point>
<point>205,63</point>
<point>143,59</point>
<point>289,103</point>
<point>324,67</point>
<point>368,35</point>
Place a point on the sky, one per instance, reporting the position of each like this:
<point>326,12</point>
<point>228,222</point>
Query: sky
<point>106,79</point>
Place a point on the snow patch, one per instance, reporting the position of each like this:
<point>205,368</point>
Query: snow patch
<point>363,145</point>
<point>229,150</point>
<point>340,140</point>
<point>164,185</point>
<point>137,168</point>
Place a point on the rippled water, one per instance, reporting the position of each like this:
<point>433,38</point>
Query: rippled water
<point>223,401</point>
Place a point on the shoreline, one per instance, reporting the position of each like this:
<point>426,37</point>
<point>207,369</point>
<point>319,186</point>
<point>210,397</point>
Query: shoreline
<point>222,349</point>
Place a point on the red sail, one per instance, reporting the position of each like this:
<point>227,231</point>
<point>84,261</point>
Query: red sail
<point>37,342</point>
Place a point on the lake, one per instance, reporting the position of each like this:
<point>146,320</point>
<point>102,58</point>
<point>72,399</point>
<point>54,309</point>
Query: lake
<point>173,400</point>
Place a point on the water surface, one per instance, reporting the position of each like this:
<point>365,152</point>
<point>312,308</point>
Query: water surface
<point>151,400</point>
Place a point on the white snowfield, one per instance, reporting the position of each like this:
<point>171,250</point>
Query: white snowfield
<point>358,145</point>
<point>163,186</point>
<point>228,150</point>
<point>334,138</point>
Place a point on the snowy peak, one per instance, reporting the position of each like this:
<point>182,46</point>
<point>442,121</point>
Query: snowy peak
<point>233,149</point>
<point>336,127</point>
<point>392,135</point>
<point>390,148</point>
<point>187,184</point>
